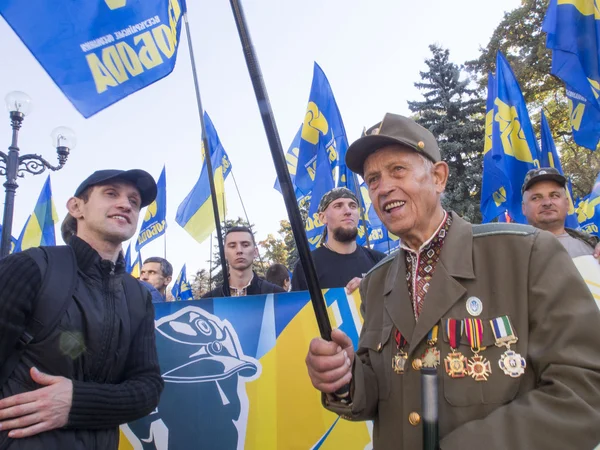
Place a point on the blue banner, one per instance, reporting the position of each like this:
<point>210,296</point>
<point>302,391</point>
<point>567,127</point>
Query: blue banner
<point>155,220</point>
<point>181,288</point>
<point>235,377</point>
<point>588,210</point>
<point>99,52</point>
<point>573,35</point>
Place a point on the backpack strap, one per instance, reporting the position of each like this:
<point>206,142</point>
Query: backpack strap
<point>58,268</point>
<point>136,296</point>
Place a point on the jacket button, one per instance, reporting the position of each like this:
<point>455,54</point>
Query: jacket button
<point>379,347</point>
<point>414,419</point>
<point>417,364</point>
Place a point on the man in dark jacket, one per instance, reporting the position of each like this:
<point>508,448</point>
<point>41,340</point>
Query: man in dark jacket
<point>240,251</point>
<point>98,368</point>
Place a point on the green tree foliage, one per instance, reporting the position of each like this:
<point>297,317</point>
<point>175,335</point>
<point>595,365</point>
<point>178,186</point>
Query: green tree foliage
<point>281,249</point>
<point>200,283</point>
<point>454,113</point>
<point>520,37</point>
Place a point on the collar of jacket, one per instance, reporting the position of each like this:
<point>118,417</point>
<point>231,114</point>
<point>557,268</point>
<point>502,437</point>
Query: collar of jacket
<point>587,238</point>
<point>88,258</point>
<point>456,255</point>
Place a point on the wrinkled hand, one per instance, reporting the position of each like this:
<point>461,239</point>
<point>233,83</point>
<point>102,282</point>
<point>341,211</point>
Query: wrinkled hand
<point>330,363</point>
<point>353,284</point>
<point>46,408</point>
<point>597,252</point>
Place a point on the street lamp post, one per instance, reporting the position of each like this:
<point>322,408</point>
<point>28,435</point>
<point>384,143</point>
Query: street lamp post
<point>12,165</point>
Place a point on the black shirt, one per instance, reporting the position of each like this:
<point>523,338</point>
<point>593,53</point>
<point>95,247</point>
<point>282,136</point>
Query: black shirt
<point>257,286</point>
<point>337,269</point>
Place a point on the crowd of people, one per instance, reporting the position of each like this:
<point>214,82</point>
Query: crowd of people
<point>499,308</point>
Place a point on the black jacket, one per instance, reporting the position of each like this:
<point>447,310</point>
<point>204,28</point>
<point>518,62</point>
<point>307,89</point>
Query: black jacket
<point>257,286</point>
<point>104,343</point>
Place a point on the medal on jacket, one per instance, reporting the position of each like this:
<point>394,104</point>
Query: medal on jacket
<point>455,362</point>
<point>478,367</point>
<point>431,357</point>
<point>511,363</point>
<point>399,360</point>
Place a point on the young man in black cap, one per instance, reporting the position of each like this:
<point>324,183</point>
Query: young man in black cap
<point>339,261</point>
<point>79,375</point>
<point>546,206</point>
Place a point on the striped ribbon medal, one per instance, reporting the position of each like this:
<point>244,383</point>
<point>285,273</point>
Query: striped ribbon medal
<point>477,367</point>
<point>399,360</point>
<point>455,362</point>
<point>431,357</point>
<point>511,363</point>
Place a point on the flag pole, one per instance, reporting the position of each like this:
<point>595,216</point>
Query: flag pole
<point>363,209</point>
<point>208,161</point>
<point>283,175</point>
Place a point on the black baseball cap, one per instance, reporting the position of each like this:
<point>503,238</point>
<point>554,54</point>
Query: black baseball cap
<point>141,179</point>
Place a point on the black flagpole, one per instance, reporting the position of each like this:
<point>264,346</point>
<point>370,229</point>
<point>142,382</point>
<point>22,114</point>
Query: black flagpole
<point>282,173</point>
<point>211,180</point>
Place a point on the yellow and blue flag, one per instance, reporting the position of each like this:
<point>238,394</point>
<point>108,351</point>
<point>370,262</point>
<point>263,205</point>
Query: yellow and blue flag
<point>514,148</point>
<point>195,214</point>
<point>588,210</point>
<point>181,289</point>
<point>549,158</point>
<point>155,220</point>
<point>99,52</point>
<point>39,229</point>
<point>573,35</point>
<point>291,158</point>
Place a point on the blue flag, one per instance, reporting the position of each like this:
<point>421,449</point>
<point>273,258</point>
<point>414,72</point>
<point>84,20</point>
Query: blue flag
<point>195,214</point>
<point>291,158</point>
<point>181,289</point>
<point>495,185</point>
<point>128,259</point>
<point>323,184</point>
<point>98,52</point>
<point>573,35</point>
<point>514,145</point>
<point>588,210</point>
<point>549,158</point>
<point>155,220</point>
<point>39,229</point>
<point>323,127</point>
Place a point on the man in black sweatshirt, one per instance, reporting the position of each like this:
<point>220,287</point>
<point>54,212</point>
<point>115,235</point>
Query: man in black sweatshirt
<point>98,367</point>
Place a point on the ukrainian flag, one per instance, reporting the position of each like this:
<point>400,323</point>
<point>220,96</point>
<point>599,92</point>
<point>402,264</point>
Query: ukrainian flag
<point>155,220</point>
<point>134,269</point>
<point>195,214</point>
<point>39,229</point>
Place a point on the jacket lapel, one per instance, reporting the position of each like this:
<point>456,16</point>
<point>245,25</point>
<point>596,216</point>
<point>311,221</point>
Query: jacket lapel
<point>396,298</point>
<point>456,261</point>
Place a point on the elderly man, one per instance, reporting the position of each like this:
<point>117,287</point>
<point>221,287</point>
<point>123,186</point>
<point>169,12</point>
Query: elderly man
<point>518,365</point>
<point>546,205</point>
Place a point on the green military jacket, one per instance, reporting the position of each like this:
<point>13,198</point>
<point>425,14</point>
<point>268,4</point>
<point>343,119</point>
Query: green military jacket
<point>514,270</point>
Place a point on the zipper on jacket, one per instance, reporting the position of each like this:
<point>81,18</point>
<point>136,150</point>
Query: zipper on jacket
<point>108,284</point>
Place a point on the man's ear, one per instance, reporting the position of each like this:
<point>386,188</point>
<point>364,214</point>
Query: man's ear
<point>74,207</point>
<point>440,175</point>
<point>323,218</point>
<point>168,281</point>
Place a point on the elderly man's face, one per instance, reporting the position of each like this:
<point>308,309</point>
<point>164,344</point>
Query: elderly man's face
<point>545,204</point>
<point>405,190</point>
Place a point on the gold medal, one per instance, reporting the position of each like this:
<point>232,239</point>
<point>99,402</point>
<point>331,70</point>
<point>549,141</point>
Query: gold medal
<point>479,368</point>
<point>431,357</point>
<point>455,364</point>
<point>399,362</point>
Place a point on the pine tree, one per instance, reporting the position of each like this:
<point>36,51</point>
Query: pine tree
<point>454,113</point>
